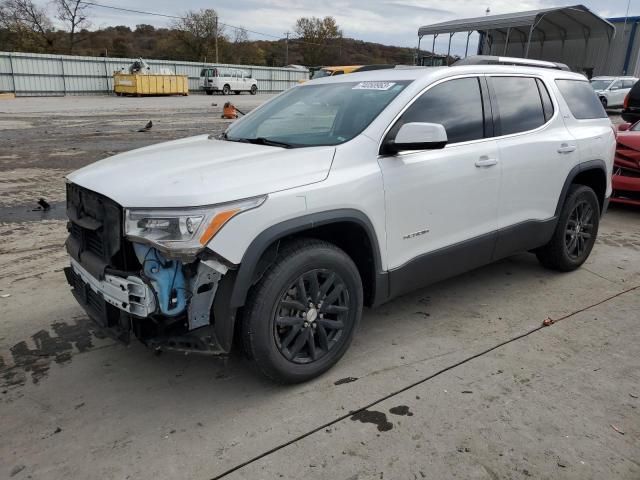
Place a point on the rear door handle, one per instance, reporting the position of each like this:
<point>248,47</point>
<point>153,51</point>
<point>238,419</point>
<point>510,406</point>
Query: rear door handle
<point>566,148</point>
<point>485,161</point>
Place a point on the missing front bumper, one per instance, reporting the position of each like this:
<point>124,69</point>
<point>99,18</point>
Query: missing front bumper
<point>130,294</point>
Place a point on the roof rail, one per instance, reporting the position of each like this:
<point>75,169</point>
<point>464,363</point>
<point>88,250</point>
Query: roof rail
<point>495,60</point>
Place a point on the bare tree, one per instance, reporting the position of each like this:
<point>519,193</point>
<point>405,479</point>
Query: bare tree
<point>27,21</point>
<point>200,31</point>
<point>73,13</point>
<point>316,34</point>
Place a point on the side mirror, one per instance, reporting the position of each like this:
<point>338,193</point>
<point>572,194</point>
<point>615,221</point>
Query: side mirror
<point>623,127</point>
<point>417,136</point>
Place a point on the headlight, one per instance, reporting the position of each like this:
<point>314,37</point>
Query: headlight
<point>182,231</point>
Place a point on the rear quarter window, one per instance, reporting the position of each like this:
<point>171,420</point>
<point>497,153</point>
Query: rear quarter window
<point>581,99</point>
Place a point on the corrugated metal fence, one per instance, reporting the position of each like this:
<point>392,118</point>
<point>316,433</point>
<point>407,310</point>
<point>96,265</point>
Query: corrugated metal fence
<point>31,74</point>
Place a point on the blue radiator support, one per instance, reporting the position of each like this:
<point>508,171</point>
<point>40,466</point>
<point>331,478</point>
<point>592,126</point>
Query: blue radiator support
<point>166,277</point>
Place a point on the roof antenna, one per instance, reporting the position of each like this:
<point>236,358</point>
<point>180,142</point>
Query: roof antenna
<point>487,11</point>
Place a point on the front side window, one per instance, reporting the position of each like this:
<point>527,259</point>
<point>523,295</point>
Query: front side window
<point>581,99</point>
<point>313,115</point>
<point>455,104</point>
<point>519,105</point>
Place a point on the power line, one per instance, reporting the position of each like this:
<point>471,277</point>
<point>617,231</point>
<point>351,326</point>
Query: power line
<point>156,14</point>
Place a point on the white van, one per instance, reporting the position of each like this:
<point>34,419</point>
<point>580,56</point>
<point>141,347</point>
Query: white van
<point>227,80</point>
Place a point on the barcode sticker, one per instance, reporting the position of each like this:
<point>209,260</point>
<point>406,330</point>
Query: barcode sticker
<point>374,86</point>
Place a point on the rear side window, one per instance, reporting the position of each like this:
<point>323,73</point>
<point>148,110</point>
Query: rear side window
<point>581,98</point>
<point>628,83</point>
<point>456,104</point>
<point>519,104</point>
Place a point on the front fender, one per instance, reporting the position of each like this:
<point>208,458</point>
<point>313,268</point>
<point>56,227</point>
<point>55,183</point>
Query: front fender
<point>246,277</point>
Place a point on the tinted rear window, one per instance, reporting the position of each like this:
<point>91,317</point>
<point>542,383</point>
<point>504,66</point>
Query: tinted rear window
<point>519,104</point>
<point>581,99</point>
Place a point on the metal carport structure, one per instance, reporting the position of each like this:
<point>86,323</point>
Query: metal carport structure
<point>516,32</point>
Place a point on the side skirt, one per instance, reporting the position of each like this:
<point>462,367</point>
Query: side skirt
<point>464,256</point>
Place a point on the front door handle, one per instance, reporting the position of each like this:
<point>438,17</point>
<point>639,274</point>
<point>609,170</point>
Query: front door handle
<point>485,161</point>
<point>566,148</point>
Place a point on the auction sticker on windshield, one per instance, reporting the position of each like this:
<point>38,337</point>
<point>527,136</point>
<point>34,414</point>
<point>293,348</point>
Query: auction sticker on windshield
<point>374,86</point>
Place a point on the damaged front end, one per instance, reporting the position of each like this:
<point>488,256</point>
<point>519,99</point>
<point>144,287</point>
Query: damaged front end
<point>148,273</point>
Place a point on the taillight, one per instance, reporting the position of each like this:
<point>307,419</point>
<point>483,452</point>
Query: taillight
<point>625,104</point>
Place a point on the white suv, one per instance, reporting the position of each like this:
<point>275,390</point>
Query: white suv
<point>339,193</point>
<point>612,90</point>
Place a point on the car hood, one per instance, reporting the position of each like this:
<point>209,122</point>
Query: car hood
<point>200,170</point>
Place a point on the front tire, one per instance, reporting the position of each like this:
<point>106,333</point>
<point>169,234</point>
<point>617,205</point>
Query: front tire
<point>254,90</point>
<point>226,90</point>
<point>301,316</point>
<point>575,232</point>
<point>604,102</point>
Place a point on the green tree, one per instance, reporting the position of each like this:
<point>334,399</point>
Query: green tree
<point>318,36</point>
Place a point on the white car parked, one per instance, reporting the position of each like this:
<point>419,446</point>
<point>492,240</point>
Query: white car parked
<point>612,90</point>
<point>339,193</point>
<point>227,80</point>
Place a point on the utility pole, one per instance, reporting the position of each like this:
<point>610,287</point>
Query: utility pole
<point>286,54</point>
<point>216,38</point>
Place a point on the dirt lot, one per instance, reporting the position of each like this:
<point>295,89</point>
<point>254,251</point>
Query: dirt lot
<point>457,380</point>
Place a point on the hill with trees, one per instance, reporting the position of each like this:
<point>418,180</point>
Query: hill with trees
<point>197,36</point>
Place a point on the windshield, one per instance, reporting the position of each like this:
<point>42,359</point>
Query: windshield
<point>600,84</point>
<point>312,115</point>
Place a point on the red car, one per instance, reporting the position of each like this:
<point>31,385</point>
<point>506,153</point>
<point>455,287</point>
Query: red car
<point>626,166</point>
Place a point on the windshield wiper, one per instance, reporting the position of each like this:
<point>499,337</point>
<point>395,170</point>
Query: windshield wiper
<point>258,141</point>
<point>269,142</point>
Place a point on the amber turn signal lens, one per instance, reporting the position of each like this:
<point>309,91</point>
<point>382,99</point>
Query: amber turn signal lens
<point>216,224</point>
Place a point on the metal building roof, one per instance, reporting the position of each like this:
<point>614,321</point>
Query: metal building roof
<point>553,23</point>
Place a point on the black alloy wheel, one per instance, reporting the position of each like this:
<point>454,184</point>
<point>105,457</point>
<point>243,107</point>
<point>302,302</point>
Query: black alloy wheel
<point>311,316</point>
<point>579,230</point>
<point>300,317</point>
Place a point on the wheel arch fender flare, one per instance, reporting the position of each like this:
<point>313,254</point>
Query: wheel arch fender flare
<point>597,165</point>
<point>268,238</point>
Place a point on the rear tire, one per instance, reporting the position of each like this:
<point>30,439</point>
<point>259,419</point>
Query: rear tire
<point>254,90</point>
<point>301,316</point>
<point>575,232</point>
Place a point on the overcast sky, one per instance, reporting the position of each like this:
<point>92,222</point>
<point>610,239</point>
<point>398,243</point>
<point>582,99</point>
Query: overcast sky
<point>392,22</point>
